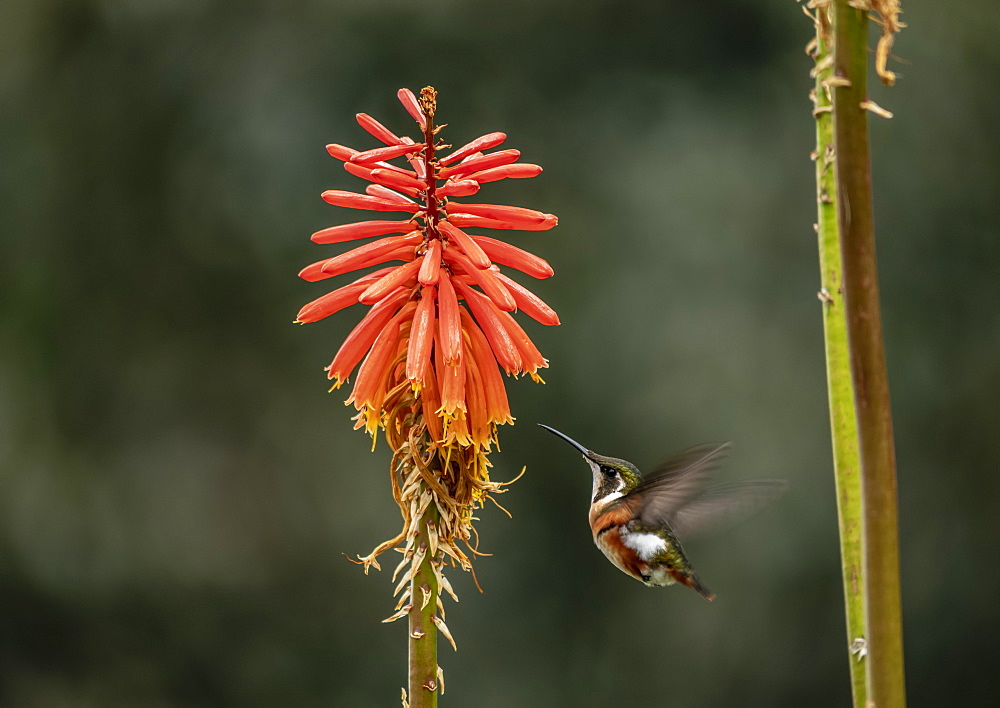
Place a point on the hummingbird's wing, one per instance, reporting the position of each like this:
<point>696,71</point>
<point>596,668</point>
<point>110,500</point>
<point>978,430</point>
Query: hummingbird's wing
<point>725,506</point>
<point>675,483</point>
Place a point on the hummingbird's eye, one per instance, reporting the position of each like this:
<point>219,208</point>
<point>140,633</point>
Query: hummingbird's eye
<point>609,471</point>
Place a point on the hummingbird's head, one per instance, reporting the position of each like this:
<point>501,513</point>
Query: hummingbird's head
<point>613,477</point>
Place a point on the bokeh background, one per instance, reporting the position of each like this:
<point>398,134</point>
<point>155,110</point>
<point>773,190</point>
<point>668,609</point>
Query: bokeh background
<point>177,486</point>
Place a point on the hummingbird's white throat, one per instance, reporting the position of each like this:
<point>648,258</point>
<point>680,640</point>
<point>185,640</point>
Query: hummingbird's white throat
<point>606,489</point>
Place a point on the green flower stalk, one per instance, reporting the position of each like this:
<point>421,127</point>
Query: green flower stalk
<point>840,386</point>
<point>861,420</point>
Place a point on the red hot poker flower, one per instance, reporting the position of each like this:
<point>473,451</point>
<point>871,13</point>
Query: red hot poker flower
<point>439,320</point>
<point>431,352</point>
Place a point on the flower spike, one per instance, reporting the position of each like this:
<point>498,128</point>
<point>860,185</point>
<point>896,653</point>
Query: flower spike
<point>459,301</point>
<point>428,359</point>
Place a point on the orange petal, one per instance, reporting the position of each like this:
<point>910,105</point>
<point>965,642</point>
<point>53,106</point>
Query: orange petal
<point>529,303</point>
<point>364,201</point>
<point>504,348</point>
<point>522,170</point>
<point>385,153</point>
<point>483,143</point>
<point>415,160</point>
<point>475,397</point>
<point>398,180</point>
<point>449,323</point>
<point>531,358</point>
<point>338,299</point>
<point>359,171</point>
<point>485,279</point>
<point>370,387</point>
<point>314,273</point>
<point>363,335</point>
<point>411,105</point>
<point>380,251</point>
<point>401,275</point>
<point>465,243</point>
<point>505,254</point>
<point>458,432</point>
<point>451,379</point>
<point>498,407</point>
<point>341,152</point>
<point>367,172</point>
<point>361,229</point>
<point>418,355</point>
<point>377,190</point>
<point>487,223</point>
<point>377,129</point>
<point>403,253</point>
<point>430,399</point>
<point>501,212</point>
<point>462,188</point>
<point>430,269</point>
<point>483,162</point>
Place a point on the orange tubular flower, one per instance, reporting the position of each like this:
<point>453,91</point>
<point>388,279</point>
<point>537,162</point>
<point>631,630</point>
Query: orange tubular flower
<point>449,276</point>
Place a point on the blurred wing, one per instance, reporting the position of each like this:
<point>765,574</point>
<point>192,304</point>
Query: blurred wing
<point>725,506</point>
<point>676,482</point>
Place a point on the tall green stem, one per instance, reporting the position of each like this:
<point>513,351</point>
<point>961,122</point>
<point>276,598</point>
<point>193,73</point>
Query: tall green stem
<point>864,322</point>
<point>840,387</point>
<point>423,666</point>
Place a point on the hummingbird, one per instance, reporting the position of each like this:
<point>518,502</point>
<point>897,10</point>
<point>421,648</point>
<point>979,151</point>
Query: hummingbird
<point>636,519</point>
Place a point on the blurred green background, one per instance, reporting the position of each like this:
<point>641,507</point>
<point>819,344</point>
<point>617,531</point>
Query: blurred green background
<point>177,487</point>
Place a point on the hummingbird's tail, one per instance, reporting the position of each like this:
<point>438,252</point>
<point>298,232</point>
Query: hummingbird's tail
<point>691,580</point>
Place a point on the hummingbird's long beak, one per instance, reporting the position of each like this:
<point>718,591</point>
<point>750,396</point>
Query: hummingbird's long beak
<point>571,441</point>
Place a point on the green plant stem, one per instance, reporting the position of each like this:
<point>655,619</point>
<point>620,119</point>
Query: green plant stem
<point>840,387</point>
<point>864,322</point>
<point>423,666</point>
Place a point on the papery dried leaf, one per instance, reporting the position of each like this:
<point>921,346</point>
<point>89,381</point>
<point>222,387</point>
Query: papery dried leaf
<point>398,615</point>
<point>443,628</point>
